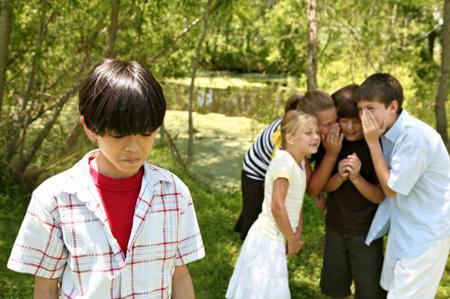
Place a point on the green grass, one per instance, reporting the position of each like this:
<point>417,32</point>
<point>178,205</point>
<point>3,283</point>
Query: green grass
<point>12,210</point>
<point>217,199</point>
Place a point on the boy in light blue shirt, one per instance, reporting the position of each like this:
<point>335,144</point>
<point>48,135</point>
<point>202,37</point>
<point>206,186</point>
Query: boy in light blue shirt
<point>414,173</point>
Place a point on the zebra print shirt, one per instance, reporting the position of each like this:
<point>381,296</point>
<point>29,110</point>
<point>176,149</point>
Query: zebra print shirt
<point>258,157</point>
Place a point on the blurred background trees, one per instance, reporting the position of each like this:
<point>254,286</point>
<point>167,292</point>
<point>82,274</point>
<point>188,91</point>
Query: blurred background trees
<point>239,58</point>
<point>47,46</point>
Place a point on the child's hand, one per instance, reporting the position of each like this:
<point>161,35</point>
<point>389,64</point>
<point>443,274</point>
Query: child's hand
<point>343,169</point>
<point>354,166</point>
<point>293,246</point>
<point>298,234</point>
<point>321,202</point>
<point>371,129</point>
<point>332,142</point>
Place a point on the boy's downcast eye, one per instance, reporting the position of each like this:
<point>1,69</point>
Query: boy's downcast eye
<point>115,134</point>
<point>118,136</point>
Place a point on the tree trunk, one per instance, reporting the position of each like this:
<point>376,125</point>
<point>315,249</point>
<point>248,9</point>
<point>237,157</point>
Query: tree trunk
<point>27,157</point>
<point>37,142</point>
<point>195,63</point>
<point>6,18</point>
<point>386,53</point>
<point>311,68</point>
<point>73,136</point>
<point>113,29</point>
<point>441,95</point>
<point>19,125</point>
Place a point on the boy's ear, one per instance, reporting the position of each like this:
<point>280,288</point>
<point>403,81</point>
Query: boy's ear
<point>393,107</point>
<point>91,135</point>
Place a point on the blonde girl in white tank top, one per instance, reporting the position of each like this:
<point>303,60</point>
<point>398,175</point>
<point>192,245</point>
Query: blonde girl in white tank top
<point>261,269</point>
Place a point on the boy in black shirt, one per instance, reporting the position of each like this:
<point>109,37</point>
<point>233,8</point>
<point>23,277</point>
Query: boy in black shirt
<point>353,198</point>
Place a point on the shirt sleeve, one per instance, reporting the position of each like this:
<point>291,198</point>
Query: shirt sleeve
<point>39,248</point>
<point>409,161</point>
<point>190,245</point>
<point>281,169</point>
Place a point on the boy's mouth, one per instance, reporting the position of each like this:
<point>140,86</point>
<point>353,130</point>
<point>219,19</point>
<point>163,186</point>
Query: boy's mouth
<point>132,160</point>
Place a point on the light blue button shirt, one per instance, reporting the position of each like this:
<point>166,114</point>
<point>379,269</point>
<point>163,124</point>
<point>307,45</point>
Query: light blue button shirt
<point>419,214</point>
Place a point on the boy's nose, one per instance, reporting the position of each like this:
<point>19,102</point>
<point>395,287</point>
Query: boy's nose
<point>131,143</point>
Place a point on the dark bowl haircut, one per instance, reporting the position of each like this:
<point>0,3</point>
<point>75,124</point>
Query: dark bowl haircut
<point>121,98</point>
<point>345,102</point>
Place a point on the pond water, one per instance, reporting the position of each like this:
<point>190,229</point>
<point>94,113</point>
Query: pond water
<point>259,98</point>
<point>244,106</point>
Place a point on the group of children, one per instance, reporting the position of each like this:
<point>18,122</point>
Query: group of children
<point>117,226</point>
<point>384,171</point>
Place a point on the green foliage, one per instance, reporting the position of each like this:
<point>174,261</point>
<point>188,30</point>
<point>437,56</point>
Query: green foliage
<point>259,36</point>
<point>54,43</point>
<point>217,212</point>
<point>12,209</point>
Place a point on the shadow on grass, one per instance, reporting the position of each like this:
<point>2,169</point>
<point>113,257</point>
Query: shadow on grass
<point>217,212</point>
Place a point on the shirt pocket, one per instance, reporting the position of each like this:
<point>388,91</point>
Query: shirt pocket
<point>85,239</point>
<point>158,238</point>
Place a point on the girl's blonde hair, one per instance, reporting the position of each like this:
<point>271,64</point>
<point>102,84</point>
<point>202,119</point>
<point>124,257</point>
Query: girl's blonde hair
<point>293,122</point>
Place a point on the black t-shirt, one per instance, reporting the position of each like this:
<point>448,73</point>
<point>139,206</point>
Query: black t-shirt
<point>318,156</point>
<point>348,211</point>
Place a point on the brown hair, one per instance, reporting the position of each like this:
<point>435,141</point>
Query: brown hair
<point>317,101</point>
<point>295,102</point>
<point>345,102</point>
<point>381,87</point>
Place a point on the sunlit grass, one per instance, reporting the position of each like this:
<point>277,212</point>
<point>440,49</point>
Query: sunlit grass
<point>219,146</point>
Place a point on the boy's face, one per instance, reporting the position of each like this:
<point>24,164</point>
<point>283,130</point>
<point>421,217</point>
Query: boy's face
<point>326,120</point>
<point>121,156</point>
<point>351,128</point>
<point>385,116</point>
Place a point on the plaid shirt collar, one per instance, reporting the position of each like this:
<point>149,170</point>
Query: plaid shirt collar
<point>81,184</point>
<point>80,176</point>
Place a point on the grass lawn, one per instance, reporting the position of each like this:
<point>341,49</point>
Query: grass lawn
<point>220,144</point>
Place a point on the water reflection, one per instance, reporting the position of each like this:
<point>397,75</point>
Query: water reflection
<point>262,102</point>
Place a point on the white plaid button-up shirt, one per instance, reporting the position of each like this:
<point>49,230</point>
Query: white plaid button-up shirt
<point>66,235</point>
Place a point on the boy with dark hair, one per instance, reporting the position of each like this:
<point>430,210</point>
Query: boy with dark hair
<point>114,225</point>
<point>352,201</point>
<point>414,173</point>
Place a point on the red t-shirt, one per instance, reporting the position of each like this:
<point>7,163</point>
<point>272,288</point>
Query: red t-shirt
<point>119,197</point>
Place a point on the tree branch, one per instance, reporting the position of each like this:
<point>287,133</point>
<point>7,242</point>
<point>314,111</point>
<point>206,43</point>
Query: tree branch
<point>181,34</point>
